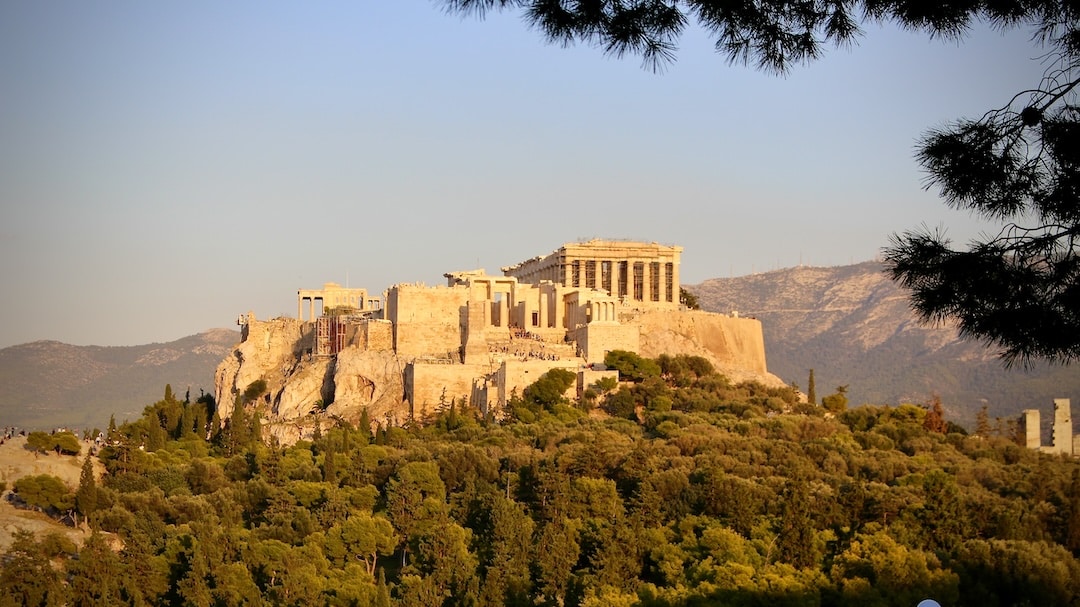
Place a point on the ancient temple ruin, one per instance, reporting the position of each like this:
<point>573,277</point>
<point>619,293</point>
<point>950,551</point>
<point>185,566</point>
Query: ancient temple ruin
<point>636,273</point>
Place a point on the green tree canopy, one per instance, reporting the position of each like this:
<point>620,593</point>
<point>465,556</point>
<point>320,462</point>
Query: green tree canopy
<point>550,389</point>
<point>45,492</point>
<point>631,366</point>
<point>64,443</point>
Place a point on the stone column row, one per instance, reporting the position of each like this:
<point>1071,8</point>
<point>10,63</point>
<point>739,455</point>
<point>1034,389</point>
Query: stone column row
<point>300,307</point>
<point>660,280</point>
<point>603,311</point>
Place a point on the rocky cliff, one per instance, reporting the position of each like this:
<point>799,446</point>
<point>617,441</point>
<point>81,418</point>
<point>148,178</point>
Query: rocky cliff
<point>302,388</point>
<point>735,346</point>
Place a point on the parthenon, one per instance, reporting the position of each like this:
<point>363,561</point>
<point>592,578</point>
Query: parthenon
<point>637,273</point>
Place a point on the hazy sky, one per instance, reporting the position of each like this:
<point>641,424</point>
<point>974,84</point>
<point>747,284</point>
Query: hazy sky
<point>166,166</point>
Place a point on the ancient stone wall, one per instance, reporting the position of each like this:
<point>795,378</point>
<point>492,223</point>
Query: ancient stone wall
<point>1063,441</point>
<point>428,383</point>
<point>427,320</point>
<point>514,376</point>
<point>595,340</point>
<point>374,335</point>
<point>1063,427</point>
<point>1029,422</point>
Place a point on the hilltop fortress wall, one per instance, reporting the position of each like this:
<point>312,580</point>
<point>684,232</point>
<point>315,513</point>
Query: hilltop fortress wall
<point>478,339</point>
<point>426,321</point>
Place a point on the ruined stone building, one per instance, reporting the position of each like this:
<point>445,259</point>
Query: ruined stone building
<point>480,338</point>
<point>636,273</point>
<point>1063,440</point>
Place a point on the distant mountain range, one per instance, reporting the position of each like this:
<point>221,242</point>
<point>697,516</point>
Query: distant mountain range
<point>46,384</point>
<point>853,326</point>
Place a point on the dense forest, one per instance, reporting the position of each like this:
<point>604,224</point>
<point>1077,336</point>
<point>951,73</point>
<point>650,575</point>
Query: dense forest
<point>673,487</point>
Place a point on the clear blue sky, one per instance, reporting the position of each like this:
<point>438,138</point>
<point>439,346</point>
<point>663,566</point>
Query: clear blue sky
<point>165,166</point>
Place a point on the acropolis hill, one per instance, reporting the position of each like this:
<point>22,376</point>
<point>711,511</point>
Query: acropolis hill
<point>479,338</point>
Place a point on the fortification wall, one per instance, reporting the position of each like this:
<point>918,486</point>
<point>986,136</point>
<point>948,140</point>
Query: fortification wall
<point>425,384</point>
<point>373,335</point>
<point>426,320</point>
<point>595,340</point>
<point>514,376</point>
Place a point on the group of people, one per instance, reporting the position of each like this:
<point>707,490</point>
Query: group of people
<point>11,432</point>
<point>525,354</point>
<point>517,332</point>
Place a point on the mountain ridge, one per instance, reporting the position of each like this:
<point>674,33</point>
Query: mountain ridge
<point>48,383</point>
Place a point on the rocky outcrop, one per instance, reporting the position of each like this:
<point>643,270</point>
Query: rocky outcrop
<point>733,345</point>
<point>371,380</point>
<point>271,351</point>
<point>302,388</point>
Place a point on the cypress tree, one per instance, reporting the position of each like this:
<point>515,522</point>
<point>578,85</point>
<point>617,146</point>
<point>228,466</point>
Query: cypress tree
<point>87,494</point>
<point>365,425</point>
<point>811,392</point>
<point>238,428</point>
<point>329,468</point>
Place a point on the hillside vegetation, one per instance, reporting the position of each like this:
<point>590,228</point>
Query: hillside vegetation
<point>677,488</point>
<point>853,326</point>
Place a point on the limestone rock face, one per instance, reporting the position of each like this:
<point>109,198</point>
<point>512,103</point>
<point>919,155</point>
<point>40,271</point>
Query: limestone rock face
<point>270,351</point>
<point>303,391</point>
<point>301,388</point>
<point>734,346</point>
<point>371,380</point>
